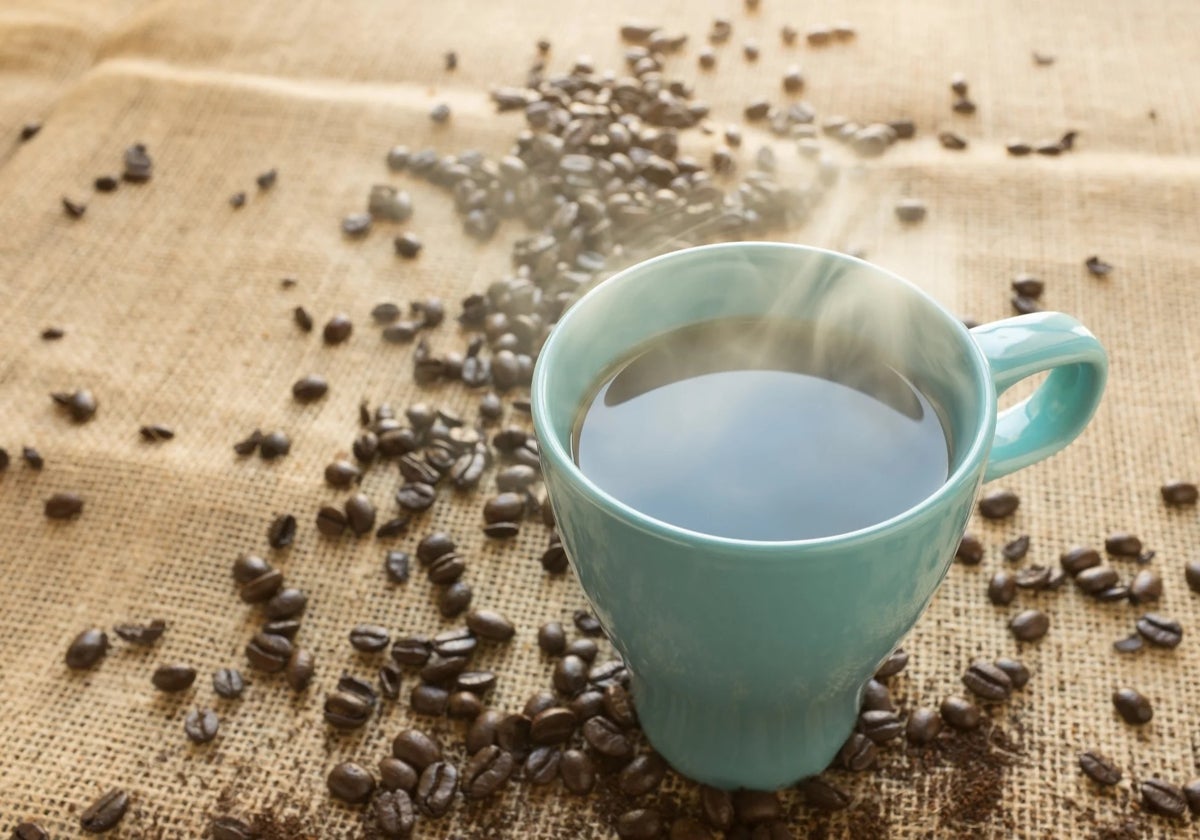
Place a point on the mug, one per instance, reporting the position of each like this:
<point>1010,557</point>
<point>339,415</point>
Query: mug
<point>747,659</point>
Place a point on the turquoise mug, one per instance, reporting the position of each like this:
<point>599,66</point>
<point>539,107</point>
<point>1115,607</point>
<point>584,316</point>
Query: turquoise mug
<point>748,659</point>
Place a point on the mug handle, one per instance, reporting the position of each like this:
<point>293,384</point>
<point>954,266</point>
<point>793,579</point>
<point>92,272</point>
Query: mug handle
<point>1054,416</point>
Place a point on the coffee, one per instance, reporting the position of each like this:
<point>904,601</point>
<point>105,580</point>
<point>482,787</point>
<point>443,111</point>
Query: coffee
<point>761,429</point>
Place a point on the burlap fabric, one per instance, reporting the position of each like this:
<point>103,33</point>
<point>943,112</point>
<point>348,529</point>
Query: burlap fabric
<point>174,314</point>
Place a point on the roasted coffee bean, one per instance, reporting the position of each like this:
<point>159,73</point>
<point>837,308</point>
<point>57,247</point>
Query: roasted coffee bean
<point>1029,625</point>
<point>1159,630</point>
<point>360,514</point>
<point>269,653</point>
<point>910,210</point>
<point>539,702</point>
<point>1028,286</point>
<point>755,806</point>
<point>348,709</point>
<point>274,445</point>
<point>397,774</point>
<point>300,668</point>
<point>894,664</point>
<point>1179,493</point>
<point>923,725</point>
<point>1191,792</point>
<point>1133,706</point>
<point>970,550</point>
<point>618,705</point>
<point>1147,586</point>
<point>105,812</point>
<point>1122,544</point>
<point>1097,267</point>
<point>1017,673</point>
<point>587,704</point>
<point>1002,588</point>
<point>176,677</point>
<point>455,599</point>
<point>491,625</point>
<point>542,764</point>
<point>999,504</point>
<point>407,245</point>
<point>356,224</point>
<point>490,407</point>
<point>261,588</point>
<point>1025,306</point>
<point>440,669</point>
<point>1119,592</point>
<point>201,725</point>
<point>337,329</point>
<point>310,388</point>
<point>228,683</point>
<point>286,627</point>
<point>642,775</point>
<point>554,558</point>
<point>436,789</point>
<point>1077,558</point>
<point>429,700</point>
<point>570,675</point>
<point>985,680</point>
<point>960,713</point>
<point>64,506</point>
<point>231,828</point>
<point>1018,148</point>
<point>87,649</point>
<point>552,639</point>
<point>952,141</point>
<point>394,527</point>
<point>857,754</point>
<point>603,674</point>
<point>823,796</point>
<point>351,783</point>
<point>396,565</point>
<point>394,816</point>
<point>1191,574</point>
<point>1099,768</point>
<point>416,748</point>
<point>411,650</point>
<point>434,546</point>
<point>1034,577</point>
<point>464,705</point>
<point>963,105</point>
<point>552,726</point>
<point>483,730</point>
<point>303,319</point>
<point>369,638</point>
<point>458,641</point>
<point>446,569</point>
<point>1130,644</point>
<point>507,507</point>
<point>577,771</point>
<point>881,726</point>
<point>1162,797</point>
<point>389,681</point>
<point>587,624</point>
<point>1096,579</point>
<point>416,496</point>
<point>282,531</point>
<point>155,432</point>
<point>384,314</point>
<point>486,771</point>
<point>81,404</point>
<point>266,180</point>
<point>512,733</point>
<point>606,738</point>
<point>286,603</point>
<point>32,457</point>
<point>876,697</point>
<point>639,824</point>
<point>331,522</point>
<point>515,478</point>
<point>1016,550</point>
<point>478,682</point>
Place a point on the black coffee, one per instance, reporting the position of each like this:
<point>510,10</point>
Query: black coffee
<point>761,429</point>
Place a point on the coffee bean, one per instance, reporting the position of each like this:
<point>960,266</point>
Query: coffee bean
<point>138,165</point>
<point>348,709</point>
<point>446,569</point>
<point>999,504</point>
<point>310,388</point>
<point>857,754</point>
<point>228,683</point>
<point>491,625</point>
<point>231,828</point>
<point>587,624</point>
<point>639,824</point>
<point>876,697</point>
<point>286,603</point>
<point>1077,558</point>
<point>360,514</point>
<point>1130,644</point>
<point>32,457</point>
<point>1029,625</point>
<point>87,649</point>
<point>455,599</point>
<point>960,713</point>
<point>464,705</point>
<point>394,816</point>
<point>486,771</point>
<point>416,496</point>
<point>923,725</point>
<point>1096,579</point>
<point>142,634</point>
<point>407,245</point>
<point>952,141</point>
<point>282,531</point>
<point>64,506</point>
<point>1018,148</point>
<point>442,669</point>
<point>337,329</point>
<point>356,224</point>
<point>331,521</point>
<point>910,210</point>
<point>1147,586</point>
<point>552,639</point>
<point>1026,285</point>
<point>970,550</point>
<point>478,682</point>
<point>201,725</point>
<point>587,704</point>
<point>570,675</point>
<point>303,319</point>
<point>552,726</point>
<point>1191,792</point>
<point>397,774</point>
<point>880,726</point>
<point>1002,588</point>
<point>104,813</point>
<point>1133,706</point>
<point>171,678</point>
<point>1122,544</point>
<point>394,527</point>
<point>539,702</point>
<point>606,738</point>
<point>1097,267</point>
<point>286,627</point>
<point>1017,673</point>
<point>274,445</point>
<point>793,80</point>
<point>1162,797</point>
<point>1033,577</point>
<point>237,200</point>
<point>429,700</point>
<point>416,748</point>
<point>266,180</point>
<point>1159,630</point>
<point>436,789</point>
<point>1191,574</point>
<point>351,783</point>
<point>261,588</point>
<point>1025,306</point>
<point>269,653</point>
<point>483,730</point>
<point>81,404</point>
<point>963,105</point>
<point>506,507</point>
<point>542,765</point>
<point>1099,769</point>
<point>154,432</point>
<point>458,641</point>
<point>1179,493</point>
<point>823,796</point>
<point>985,680</point>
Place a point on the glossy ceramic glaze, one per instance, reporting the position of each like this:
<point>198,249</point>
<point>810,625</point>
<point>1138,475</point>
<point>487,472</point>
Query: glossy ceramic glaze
<point>748,658</point>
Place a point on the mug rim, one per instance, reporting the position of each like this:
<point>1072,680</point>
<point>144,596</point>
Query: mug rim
<point>971,464</point>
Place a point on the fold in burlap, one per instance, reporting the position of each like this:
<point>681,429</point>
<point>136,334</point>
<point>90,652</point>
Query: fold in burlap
<point>174,314</point>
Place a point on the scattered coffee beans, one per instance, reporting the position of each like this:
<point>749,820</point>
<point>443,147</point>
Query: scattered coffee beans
<point>87,649</point>
<point>351,783</point>
<point>999,504</point>
<point>1133,706</point>
<point>105,813</point>
<point>1099,769</point>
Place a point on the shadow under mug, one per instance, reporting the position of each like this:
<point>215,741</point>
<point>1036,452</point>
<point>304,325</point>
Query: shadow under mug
<point>748,659</point>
